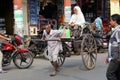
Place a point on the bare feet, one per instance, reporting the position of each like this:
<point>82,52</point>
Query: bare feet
<point>53,74</point>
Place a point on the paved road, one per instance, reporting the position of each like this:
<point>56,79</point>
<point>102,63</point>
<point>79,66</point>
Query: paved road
<point>73,69</point>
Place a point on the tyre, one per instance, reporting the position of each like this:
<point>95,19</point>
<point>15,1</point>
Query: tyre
<point>33,48</point>
<point>23,60</point>
<point>66,50</point>
<point>89,51</point>
<point>61,59</point>
<point>45,53</point>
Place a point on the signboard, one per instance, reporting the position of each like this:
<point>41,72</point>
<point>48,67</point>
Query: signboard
<point>33,30</point>
<point>73,1</point>
<point>2,25</point>
<point>115,7</point>
<point>33,6</point>
<point>18,16</point>
<point>67,13</point>
<point>67,10</point>
<point>2,22</point>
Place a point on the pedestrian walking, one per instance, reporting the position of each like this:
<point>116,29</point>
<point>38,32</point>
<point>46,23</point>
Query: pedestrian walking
<point>113,70</point>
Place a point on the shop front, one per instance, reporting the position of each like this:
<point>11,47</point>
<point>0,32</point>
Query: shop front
<point>34,14</point>
<point>6,16</point>
<point>13,17</point>
<point>54,12</point>
<point>41,12</point>
<point>93,8</point>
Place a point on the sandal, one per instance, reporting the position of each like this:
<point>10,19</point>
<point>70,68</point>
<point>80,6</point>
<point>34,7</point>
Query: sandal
<point>2,71</point>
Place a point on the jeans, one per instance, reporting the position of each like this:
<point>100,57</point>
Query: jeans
<point>113,70</point>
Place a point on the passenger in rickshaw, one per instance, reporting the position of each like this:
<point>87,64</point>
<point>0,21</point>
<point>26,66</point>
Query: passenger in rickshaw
<point>93,28</point>
<point>92,25</point>
<point>77,20</point>
<point>97,34</point>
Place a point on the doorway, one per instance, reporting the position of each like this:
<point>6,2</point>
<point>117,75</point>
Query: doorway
<point>6,16</point>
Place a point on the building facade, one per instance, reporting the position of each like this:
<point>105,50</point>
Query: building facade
<point>26,17</point>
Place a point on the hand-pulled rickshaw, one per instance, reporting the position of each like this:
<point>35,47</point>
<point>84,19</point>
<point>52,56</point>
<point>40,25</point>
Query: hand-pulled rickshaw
<point>83,43</point>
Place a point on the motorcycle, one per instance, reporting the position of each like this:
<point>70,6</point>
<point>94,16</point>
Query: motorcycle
<point>36,46</point>
<point>99,40</point>
<point>22,57</point>
<point>105,39</point>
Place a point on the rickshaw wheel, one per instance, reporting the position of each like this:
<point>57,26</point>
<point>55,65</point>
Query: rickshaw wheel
<point>61,59</point>
<point>89,51</point>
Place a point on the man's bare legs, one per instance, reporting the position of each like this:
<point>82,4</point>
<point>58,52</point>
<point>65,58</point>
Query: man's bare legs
<point>55,66</point>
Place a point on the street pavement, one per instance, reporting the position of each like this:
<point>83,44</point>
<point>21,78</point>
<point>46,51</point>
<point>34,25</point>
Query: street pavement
<point>73,69</point>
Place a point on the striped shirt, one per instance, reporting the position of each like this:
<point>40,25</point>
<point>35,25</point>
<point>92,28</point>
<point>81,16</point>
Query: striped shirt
<point>113,44</point>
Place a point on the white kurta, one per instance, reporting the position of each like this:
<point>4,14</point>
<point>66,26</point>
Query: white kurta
<point>53,46</point>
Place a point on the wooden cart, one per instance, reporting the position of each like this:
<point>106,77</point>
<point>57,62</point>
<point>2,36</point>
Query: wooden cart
<point>85,45</point>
